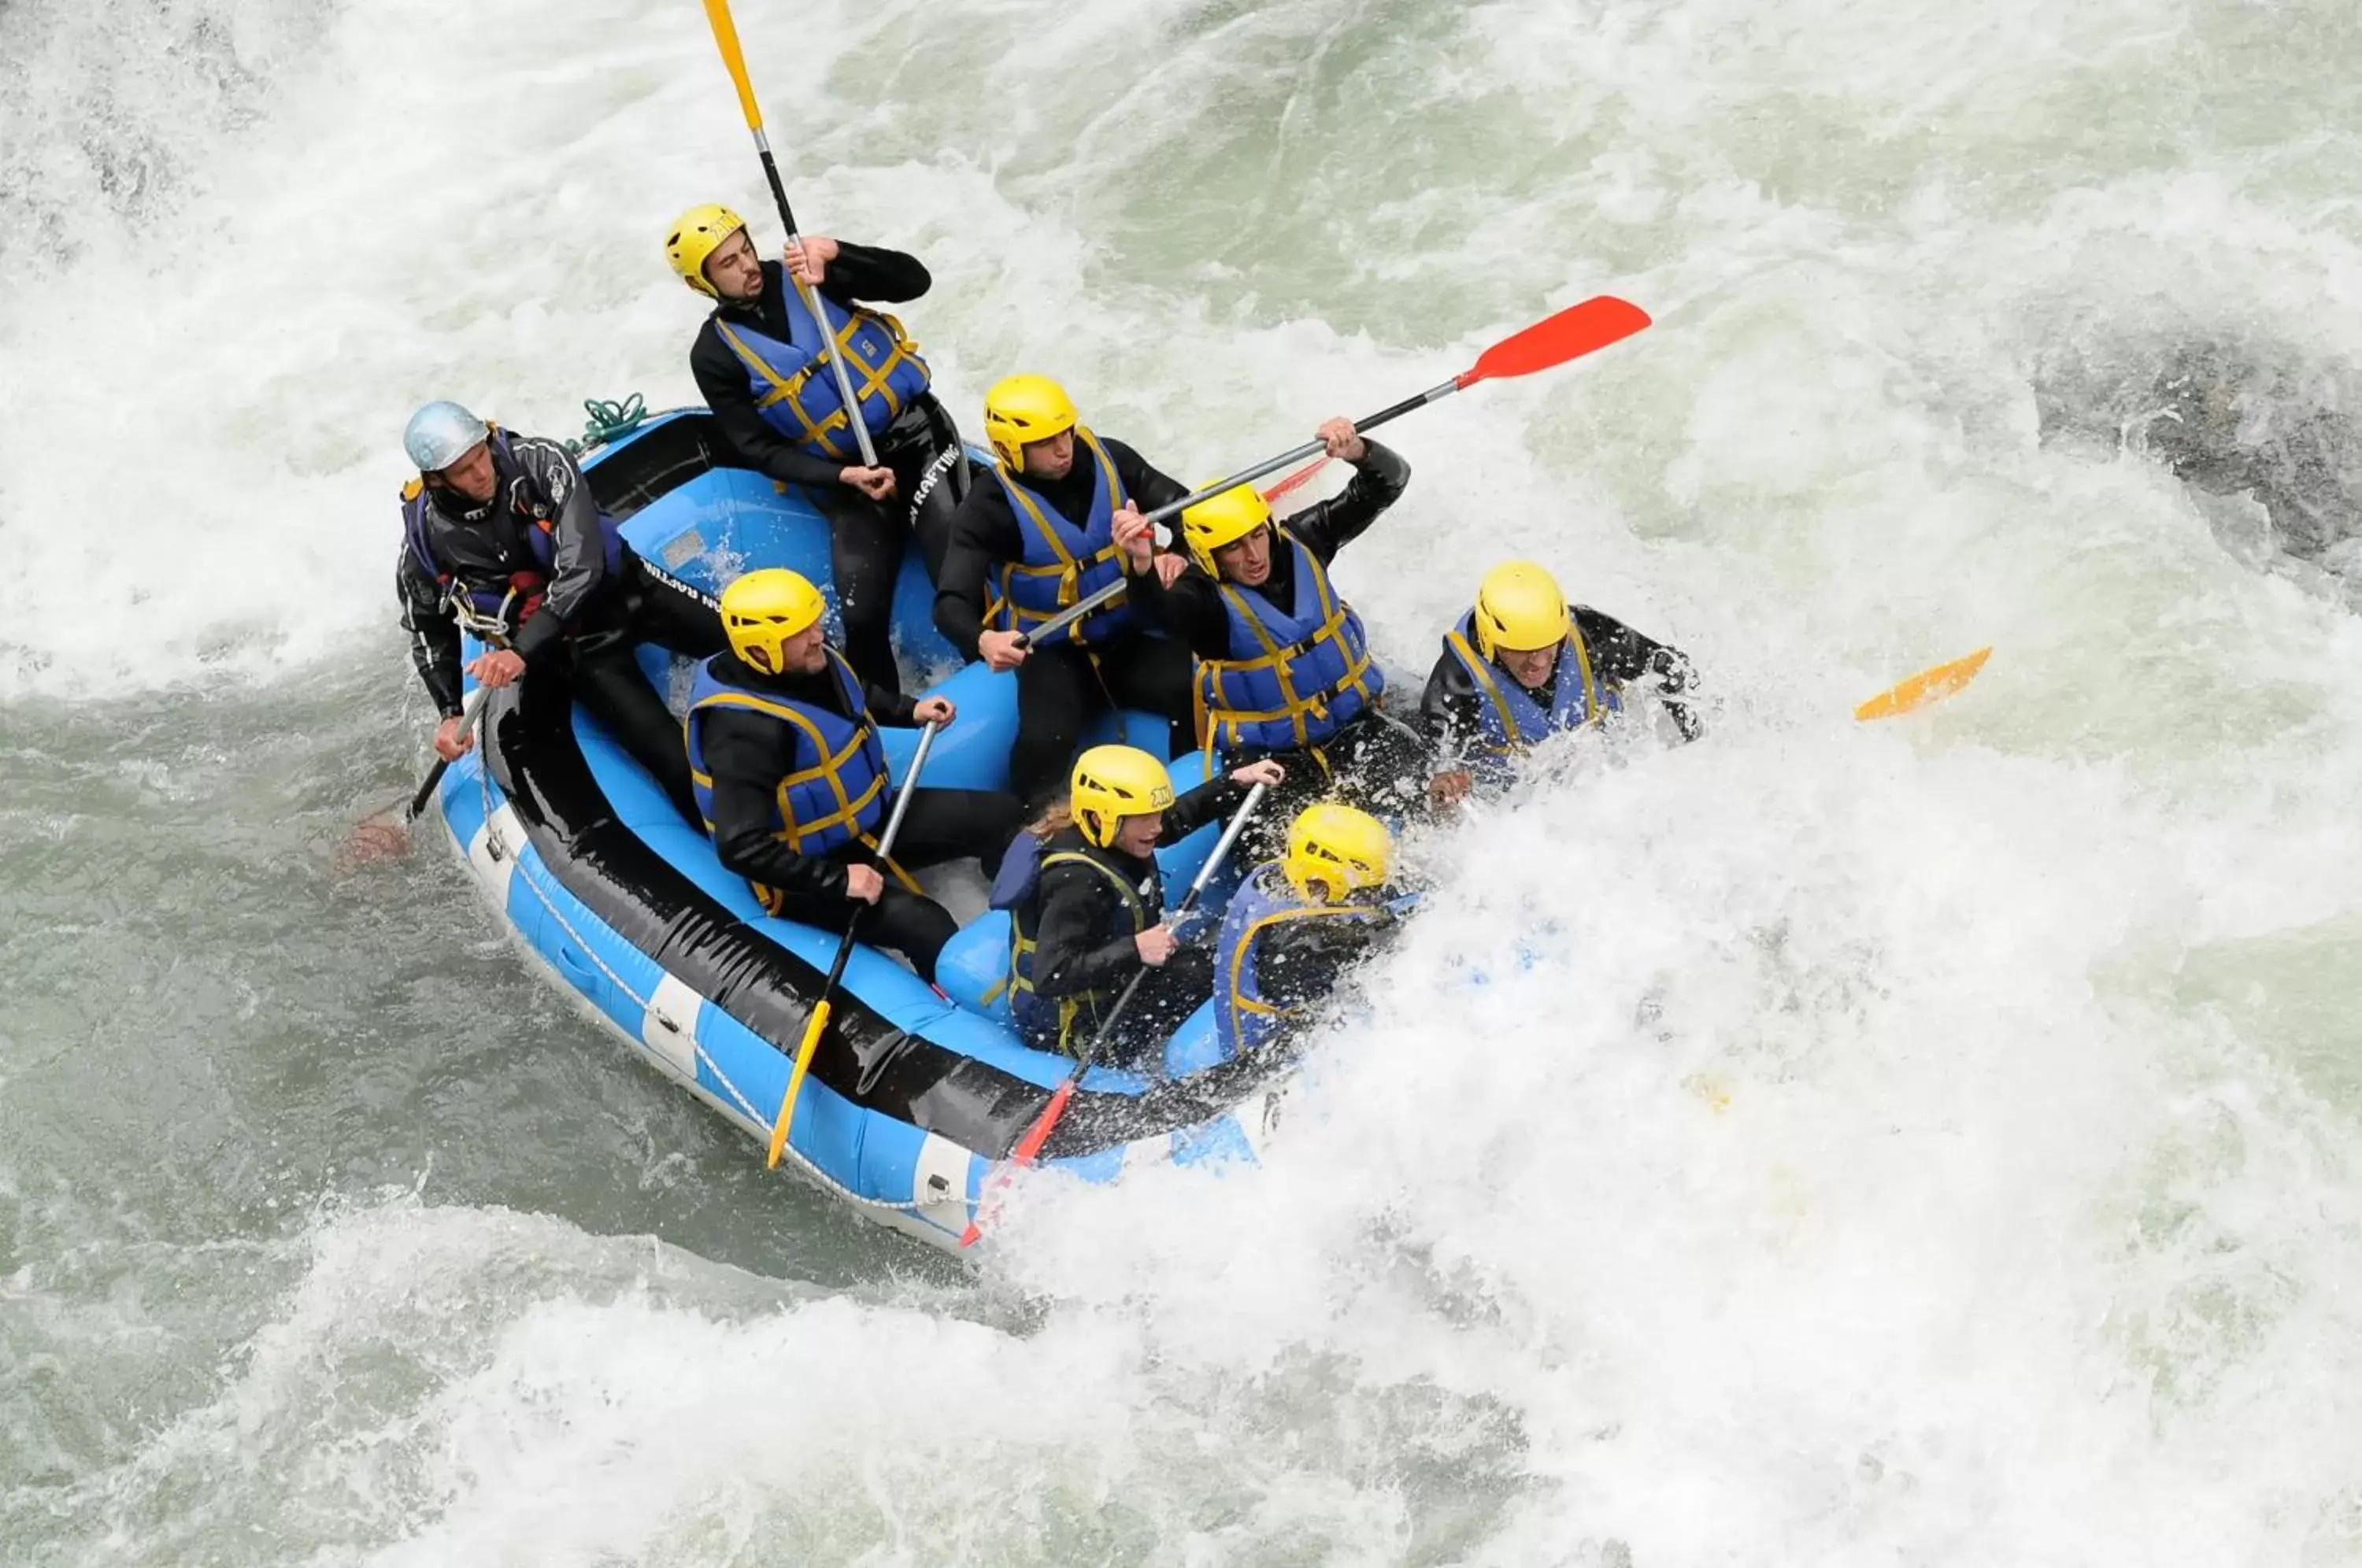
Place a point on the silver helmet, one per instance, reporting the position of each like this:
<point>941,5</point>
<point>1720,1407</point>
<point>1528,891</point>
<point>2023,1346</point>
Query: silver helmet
<point>440,435</point>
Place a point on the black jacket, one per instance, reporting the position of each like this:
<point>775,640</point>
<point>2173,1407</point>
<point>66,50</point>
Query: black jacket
<point>1083,939</point>
<point>483,547</point>
<point>747,754</point>
<point>1298,962</point>
<point>1192,607</point>
<point>986,534</point>
<point>1450,709</point>
<point>860,273</point>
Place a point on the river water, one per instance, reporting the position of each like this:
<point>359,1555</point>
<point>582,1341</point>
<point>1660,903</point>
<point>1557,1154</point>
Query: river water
<point>1934,1143</point>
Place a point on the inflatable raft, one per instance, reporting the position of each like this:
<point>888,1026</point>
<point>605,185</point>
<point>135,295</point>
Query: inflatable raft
<point>913,1096</point>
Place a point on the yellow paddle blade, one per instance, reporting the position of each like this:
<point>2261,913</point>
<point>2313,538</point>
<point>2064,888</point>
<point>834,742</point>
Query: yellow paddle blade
<point>725,34</point>
<point>796,1085</point>
<point>1927,686</point>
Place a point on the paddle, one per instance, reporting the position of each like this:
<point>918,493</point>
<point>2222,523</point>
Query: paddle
<point>843,951</point>
<point>470,711</point>
<point>1029,1146</point>
<point>385,835</point>
<point>1570,334</point>
<point>725,36</point>
<point>1927,686</point>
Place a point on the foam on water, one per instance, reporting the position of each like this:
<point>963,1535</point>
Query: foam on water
<point>1931,1142</point>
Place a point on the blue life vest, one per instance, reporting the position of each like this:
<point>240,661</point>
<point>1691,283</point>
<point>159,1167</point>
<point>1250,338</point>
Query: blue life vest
<point>835,793</point>
<point>1243,1021</point>
<point>1512,719</point>
<point>1293,678</point>
<point>795,389</point>
<point>497,611</point>
<point>1064,563</point>
<point>1067,1023</point>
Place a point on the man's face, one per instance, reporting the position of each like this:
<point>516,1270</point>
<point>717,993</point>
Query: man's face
<point>472,476</point>
<point>807,651</point>
<point>1247,561</point>
<point>734,270</point>
<point>1530,667</point>
<point>1051,459</point>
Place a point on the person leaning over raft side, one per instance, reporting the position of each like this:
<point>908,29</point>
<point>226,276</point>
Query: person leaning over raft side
<point>501,536</point>
<point>777,402</point>
<point>1046,533</point>
<point>1295,923</point>
<point>1523,663</point>
<point>1089,917</point>
<point>791,777</point>
<point>1286,669</point>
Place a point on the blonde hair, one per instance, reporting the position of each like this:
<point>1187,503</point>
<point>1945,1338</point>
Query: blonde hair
<point>1056,818</point>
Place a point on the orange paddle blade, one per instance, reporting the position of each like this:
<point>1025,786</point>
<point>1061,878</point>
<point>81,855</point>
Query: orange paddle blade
<point>1573,332</point>
<point>1927,686</point>
<point>1295,479</point>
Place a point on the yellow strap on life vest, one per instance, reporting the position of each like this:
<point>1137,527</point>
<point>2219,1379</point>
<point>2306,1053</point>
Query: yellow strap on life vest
<point>1481,668</point>
<point>1069,567</point>
<point>870,379</point>
<point>1021,947</point>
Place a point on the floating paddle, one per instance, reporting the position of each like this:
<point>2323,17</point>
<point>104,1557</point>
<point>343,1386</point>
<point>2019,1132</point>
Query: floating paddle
<point>725,36</point>
<point>1029,1146</point>
<point>1927,686</point>
<point>843,951</point>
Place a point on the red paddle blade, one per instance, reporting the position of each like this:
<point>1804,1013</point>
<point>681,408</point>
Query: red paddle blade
<point>1295,479</point>
<point>1039,1133</point>
<point>1573,332</point>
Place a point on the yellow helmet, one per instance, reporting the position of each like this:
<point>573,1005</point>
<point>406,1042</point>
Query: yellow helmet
<point>1112,782</point>
<point>696,234</point>
<point>1024,409</point>
<point>1223,519</point>
<point>1519,608</point>
<point>1333,850</point>
<point>762,609</point>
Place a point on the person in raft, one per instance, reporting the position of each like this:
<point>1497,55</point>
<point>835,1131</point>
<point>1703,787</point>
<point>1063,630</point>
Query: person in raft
<point>1086,910</point>
<point>1523,663</point>
<point>1050,530</point>
<point>1298,922</point>
<point>790,776</point>
<point>502,538</point>
<point>760,366</point>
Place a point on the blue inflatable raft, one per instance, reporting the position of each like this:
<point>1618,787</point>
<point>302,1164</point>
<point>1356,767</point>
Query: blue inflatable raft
<point>912,1097</point>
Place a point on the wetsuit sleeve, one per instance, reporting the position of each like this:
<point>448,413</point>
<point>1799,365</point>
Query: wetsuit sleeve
<point>1622,655</point>
<point>1217,798</point>
<point>722,382</point>
<point>1191,610</point>
<point>747,758</point>
<point>1378,482</point>
<point>1298,962</point>
<point>1148,488</point>
<point>434,631</point>
<point>895,708</point>
<point>982,534</point>
<point>873,275</point>
<point>1078,908</point>
<point>1449,710</point>
<point>577,544</point>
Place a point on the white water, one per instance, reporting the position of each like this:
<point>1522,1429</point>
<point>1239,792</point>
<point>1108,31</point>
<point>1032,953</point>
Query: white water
<point>1931,1144</point>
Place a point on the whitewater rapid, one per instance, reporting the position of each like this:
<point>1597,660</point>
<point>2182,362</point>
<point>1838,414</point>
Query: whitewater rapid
<point>1931,1142</point>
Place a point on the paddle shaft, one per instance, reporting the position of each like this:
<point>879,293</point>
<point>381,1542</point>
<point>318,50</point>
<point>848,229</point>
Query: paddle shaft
<point>1030,1145</point>
<point>885,848</point>
<point>1115,591</point>
<point>821,1004</point>
<point>725,36</point>
<point>470,711</point>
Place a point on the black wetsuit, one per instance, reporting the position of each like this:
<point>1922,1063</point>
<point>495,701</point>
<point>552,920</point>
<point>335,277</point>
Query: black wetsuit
<point>1451,710</point>
<point>1374,760</point>
<point>588,618</point>
<point>1061,685</point>
<point>1084,935</point>
<point>748,753</point>
<point>866,538</point>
